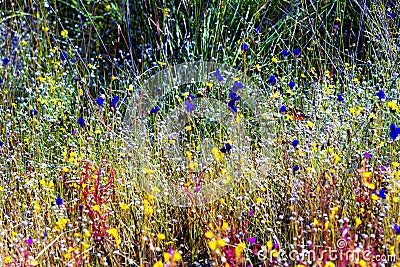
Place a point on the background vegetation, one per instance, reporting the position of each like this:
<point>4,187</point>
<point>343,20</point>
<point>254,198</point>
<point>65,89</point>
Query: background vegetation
<point>67,196</point>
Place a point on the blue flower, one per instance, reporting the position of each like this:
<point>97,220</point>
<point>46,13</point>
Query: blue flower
<point>285,53</point>
<point>1,80</point>
<point>237,85</point>
<point>394,131</point>
<point>396,229</point>
<point>63,56</point>
<point>114,101</point>
<point>1,143</point>
<point>100,101</point>
<point>340,98</point>
<point>381,94</point>
<point>5,61</point>
<point>81,122</point>
<point>291,85</point>
<point>226,148</point>
<point>296,52</point>
<point>217,74</point>
<point>282,108</point>
<point>390,15</point>
<point>296,168</point>
<point>231,104</point>
<point>234,96</point>
<point>258,30</point>
<point>154,110</point>
<point>272,80</point>
<point>244,47</point>
<point>382,193</point>
<point>33,112</point>
<point>190,106</point>
<point>59,201</point>
<point>295,143</point>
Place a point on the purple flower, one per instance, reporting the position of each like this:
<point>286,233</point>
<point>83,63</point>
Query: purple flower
<point>340,98</point>
<point>245,47</point>
<point>381,95</point>
<point>367,155</point>
<point>100,101</point>
<point>81,122</point>
<point>29,241</point>
<point>74,132</point>
<point>252,240</point>
<point>285,53</point>
<point>190,106</point>
<point>335,26</point>
<point>154,110</point>
<point>296,52</point>
<point>114,102</point>
<point>218,75</point>
<point>6,61</point>
<point>282,109</point>
<point>295,143</point>
<point>59,201</point>
<point>251,213</point>
<point>291,85</point>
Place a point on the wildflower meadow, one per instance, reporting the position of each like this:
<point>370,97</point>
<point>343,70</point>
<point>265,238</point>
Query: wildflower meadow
<point>199,133</point>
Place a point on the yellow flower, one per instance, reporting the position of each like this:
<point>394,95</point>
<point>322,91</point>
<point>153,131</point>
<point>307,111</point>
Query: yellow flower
<point>160,236</point>
<point>218,155</point>
<point>274,60</point>
<point>362,263</point>
<point>358,222</point>
<point>221,243</point>
<point>209,234</point>
<point>113,232</point>
<point>124,206</point>
<point>64,33</point>
<point>212,245</point>
<point>148,171</point>
<point>225,226</point>
<point>239,249</point>
<point>158,264</point>
<point>393,106</point>
<point>177,256</point>
<point>108,7</point>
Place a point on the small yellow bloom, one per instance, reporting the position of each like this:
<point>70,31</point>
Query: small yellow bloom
<point>64,33</point>
<point>212,245</point>
<point>209,234</point>
<point>358,222</point>
<point>160,236</point>
<point>221,243</point>
<point>158,264</point>
<point>148,171</point>
<point>108,7</point>
<point>274,60</point>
